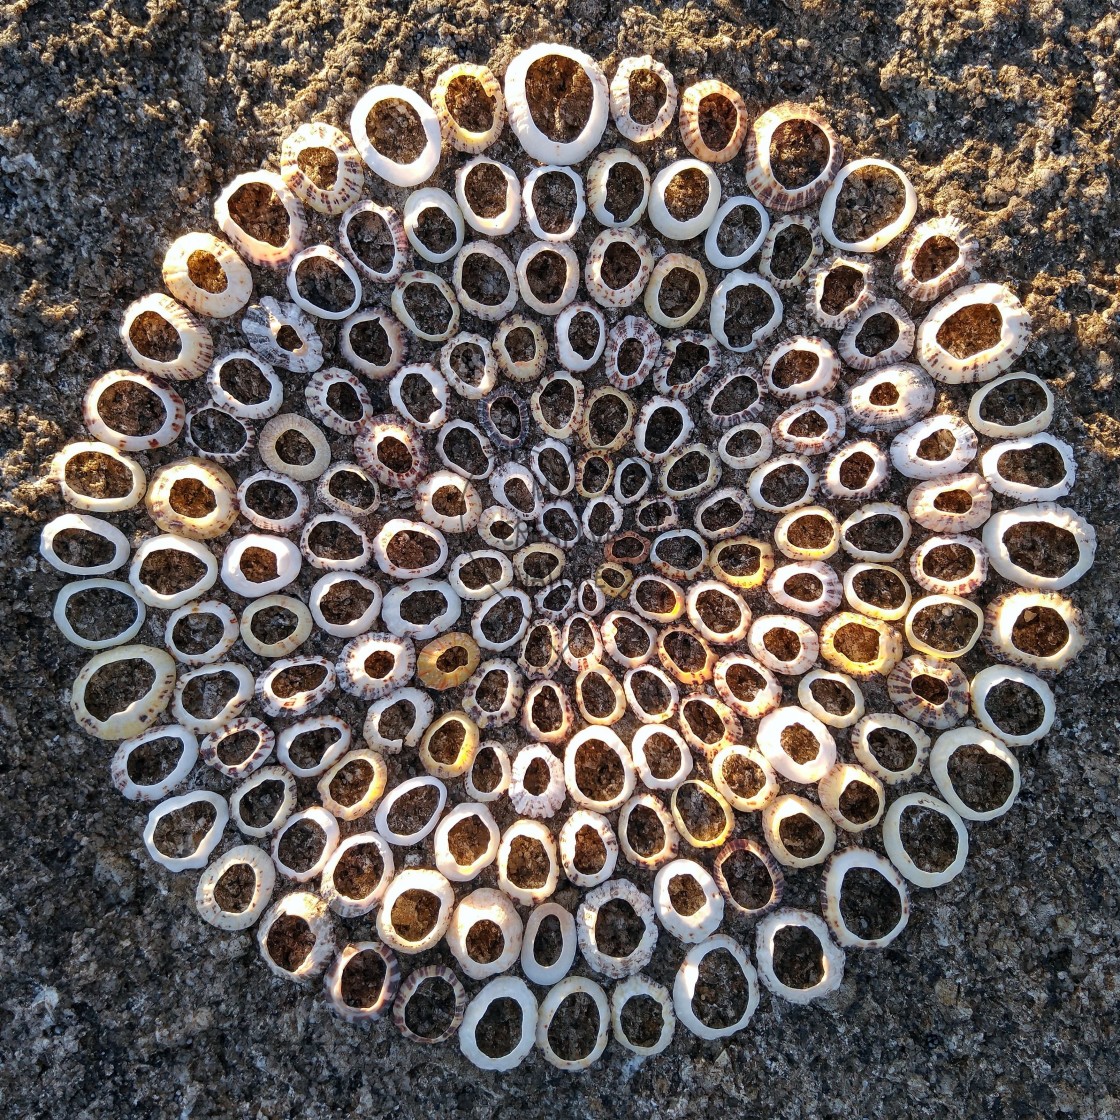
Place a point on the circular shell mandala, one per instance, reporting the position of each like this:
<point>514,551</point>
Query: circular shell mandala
<point>646,542</point>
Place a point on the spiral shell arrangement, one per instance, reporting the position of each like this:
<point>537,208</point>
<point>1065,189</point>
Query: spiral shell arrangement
<point>666,528</point>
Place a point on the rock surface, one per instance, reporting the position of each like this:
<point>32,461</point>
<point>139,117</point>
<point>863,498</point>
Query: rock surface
<point>118,126</point>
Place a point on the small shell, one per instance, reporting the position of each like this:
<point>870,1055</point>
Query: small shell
<point>267,776</point>
<point>372,251</point>
<point>581,334</point>
<point>203,842</point>
<point>427,882</point>
<point>523,883</point>
<point>262,326</point>
<point>207,892</point>
<point>719,314</point>
<point>832,891</point>
<point>611,783</point>
<point>802,732</point>
<point>449,744</point>
<point>504,987</point>
<point>774,250</point>
<point>699,922</point>
<point>855,471</point>
<point>327,185</point>
<point>493,907</point>
<point>599,175</point>
<point>122,775</point>
<point>812,427</point>
<point>414,982</point>
<point>943,699</point>
<point>676,292</point>
<point>634,987</point>
<point>373,665</point>
<point>419,394</point>
<point>654,839</point>
<point>225,708</point>
<point>832,957</point>
<point>618,267</point>
<point>1014,387</point>
<point>206,275</point>
<point>728,882</point>
<point>547,712</point>
<point>399,174</point>
<point>520,348</point>
<point>694,787</point>
<point>674,211</point>
<point>480,211</point>
<point>746,685</point>
<point>145,329</point>
<point>570,852</point>
<point>299,745</point>
<point>719,614</point>
<point>801,367</point>
<point>351,856</point>
<point>467,364</point>
<point>1041,630</point>
<point>259,564</point>
<point>685,654</point>
<point>324,259</point>
<point>529,203</point>
<point>547,800</point>
<point>980,361</point>
<point>875,241</point>
<point>780,500</point>
<point>457,134</point>
<point>851,813</point>
<point>947,745</point>
<point>587,918</point>
<point>463,448</point>
<point>374,343</point>
<point>920,451</point>
<point>335,981</point>
<point>346,800</point>
<point>809,533</point>
<point>955,503</point>
<point>493,790</point>
<point>82,523</point>
<point>679,554</point>
<point>662,428</point>
<point>599,696</point>
<point>462,861</point>
<point>851,342</point>
<point>881,741</point>
<point>1008,455</point>
<point>117,589</point>
<point>480,290</point>
<point>746,446</point>
<point>841,289</point>
<point>319,818</point>
<point>311,911</point>
<point>875,542</point>
<point>932,285</point>
<point>442,327</point>
<point>860,646</point>
<point>411,704</point>
<point>890,397</point>
<point>1005,724</point>
<point>547,278</point>
<point>901,857</point>
<point>942,622</point>
<point>877,590</point>
<point>620,99</point>
<point>173,514</point>
<point>521,119</point>
<point>274,702</point>
<point>759,155</point>
<point>559,967</point>
<point>181,592</point>
<point>747,781</point>
<point>717,258</point>
<point>651,695</point>
<point>264,191</point>
<point>937,566</point>
<point>239,399</point>
<point>692,120</point>
<point>688,980</point>
<point>136,716</point>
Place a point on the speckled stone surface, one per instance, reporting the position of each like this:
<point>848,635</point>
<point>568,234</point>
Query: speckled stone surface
<point>118,126</point>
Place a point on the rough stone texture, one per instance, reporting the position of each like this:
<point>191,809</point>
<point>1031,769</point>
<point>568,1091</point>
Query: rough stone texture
<point>118,126</point>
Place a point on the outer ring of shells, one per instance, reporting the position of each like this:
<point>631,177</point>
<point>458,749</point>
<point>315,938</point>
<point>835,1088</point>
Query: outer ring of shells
<point>579,584</point>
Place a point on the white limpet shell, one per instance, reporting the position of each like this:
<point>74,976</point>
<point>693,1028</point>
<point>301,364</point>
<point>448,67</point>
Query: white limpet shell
<point>947,744</point>
<point>290,735</point>
<point>887,723</point>
<point>460,137</point>
<point>901,858</point>
<point>347,178</point>
<point>246,763</point>
<point>831,791</point>
<point>669,263</point>
<point>934,287</point>
<point>873,242</point>
<point>352,810</point>
<point>160,500</point>
<point>809,644</point>
<point>699,923</point>
<point>587,917</point>
<point>311,910</point>
<point>227,402</point>
<point>154,791</point>
<point>465,745</point>
<point>571,276</point>
<point>344,904</point>
<point>648,731</point>
<point>545,803</point>
<point>399,387</point>
<point>992,677</point>
<point>1007,612</point>
<point>333,257</point>
<point>990,467</point>
<point>83,523</point>
<point>230,709</point>
<point>387,989</point>
<point>416,170</point>
<point>718,313</point>
<point>93,503</point>
<point>435,486</point>
<point>454,370</point>
<point>485,905</point>
<point>530,209</point>
<point>818,287</point>
<point>499,645</point>
<point>832,957</point>
<point>634,987</point>
<point>569,834</point>
<point>532,138</point>
<point>823,378</point>
<point>922,503</point>
<point>943,604</point>
<point>415,879</point>
<point>620,99</point>
<point>1039,422</point>
<point>79,587</point>
<point>203,845</point>
<point>752,757</point>
<point>749,461</point>
<point>287,557</point>
<point>433,198</point>
<point>962,585</point>
<point>877,573</point>
<point>813,549</point>
<point>503,987</point>
<point>393,227</point>
<point>867,513</point>
<point>402,526</point>
<point>262,325</point>
<point>447,863</point>
<point>372,682</point>
<point>358,624</point>
<point>570,986</point>
<point>598,288</point>
<point>217,302</point>
<point>400,308</point>
<point>746,685</point>
<point>827,598</point>
<point>264,881</point>
<point>982,365</point>
<point>632,681</point>
<point>717,798</point>
<point>486,589</point>
<point>770,248</point>
<point>648,857</point>
<point>315,815</point>
<point>253,249</point>
<point>691,133</point>
<point>423,709</point>
<point>683,229</point>
<point>758,157</point>
<point>265,776</point>
<point>905,393</point>
<point>785,807</point>
<point>598,178</point>
<point>716,257</point>
<point>506,220</point>
<point>303,699</point>
<point>897,351</point>
<point>828,413</point>
<point>317,393</point>
<point>570,357</point>
<point>940,713</point>
<point>532,831</point>
<point>841,681</point>
<point>486,310</point>
<point>276,429</point>
<point>551,973</point>
<point>137,715</point>
<point>687,979</point>
<point>906,448</point>
<point>832,889</point>
<point>888,645</point>
<point>874,477</point>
